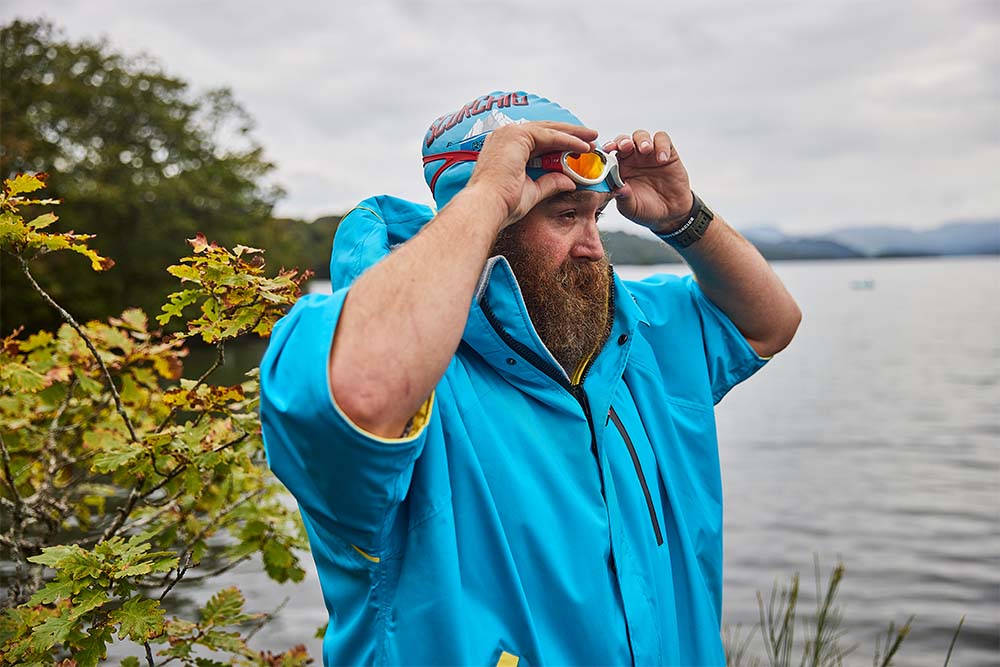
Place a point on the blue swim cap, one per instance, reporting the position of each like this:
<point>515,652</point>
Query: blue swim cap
<point>467,128</point>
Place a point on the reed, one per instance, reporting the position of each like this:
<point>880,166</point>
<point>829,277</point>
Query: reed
<point>823,640</point>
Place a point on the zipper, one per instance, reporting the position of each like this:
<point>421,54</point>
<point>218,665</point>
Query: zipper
<point>576,390</point>
<point>639,473</point>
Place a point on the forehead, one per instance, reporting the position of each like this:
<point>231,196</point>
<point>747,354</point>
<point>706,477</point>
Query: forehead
<point>580,198</point>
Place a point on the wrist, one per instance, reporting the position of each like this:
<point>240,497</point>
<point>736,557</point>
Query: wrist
<point>691,228</point>
<point>485,205</point>
<point>671,225</point>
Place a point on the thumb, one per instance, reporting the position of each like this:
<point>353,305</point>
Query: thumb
<point>554,183</point>
<point>624,193</point>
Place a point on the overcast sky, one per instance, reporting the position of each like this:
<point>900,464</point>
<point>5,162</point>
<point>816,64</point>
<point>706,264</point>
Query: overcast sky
<point>807,114</point>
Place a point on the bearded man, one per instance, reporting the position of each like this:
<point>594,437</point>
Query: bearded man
<point>503,453</point>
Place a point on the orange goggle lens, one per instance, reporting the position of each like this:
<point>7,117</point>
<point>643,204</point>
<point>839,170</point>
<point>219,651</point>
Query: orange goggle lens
<point>587,165</point>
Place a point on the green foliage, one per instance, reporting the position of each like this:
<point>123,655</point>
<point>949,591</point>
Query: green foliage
<point>235,296</point>
<point>141,160</point>
<point>123,478</point>
<point>25,238</point>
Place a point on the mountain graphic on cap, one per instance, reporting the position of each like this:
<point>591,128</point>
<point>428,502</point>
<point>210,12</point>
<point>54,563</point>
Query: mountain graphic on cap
<point>495,120</point>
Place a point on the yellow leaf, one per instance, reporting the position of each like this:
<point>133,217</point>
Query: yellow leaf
<point>43,221</point>
<point>24,183</point>
<point>240,249</point>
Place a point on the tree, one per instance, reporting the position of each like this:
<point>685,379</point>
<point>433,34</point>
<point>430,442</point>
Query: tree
<point>141,162</point>
<point>120,477</point>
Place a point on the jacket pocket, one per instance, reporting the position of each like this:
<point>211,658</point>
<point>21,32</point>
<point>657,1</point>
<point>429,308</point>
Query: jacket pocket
<point>642,477</point>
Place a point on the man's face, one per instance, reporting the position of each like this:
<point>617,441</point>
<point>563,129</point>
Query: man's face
<point>557,256</point>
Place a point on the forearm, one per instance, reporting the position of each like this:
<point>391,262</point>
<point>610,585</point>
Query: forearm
<point>403,319</point>
<point>734,275</point>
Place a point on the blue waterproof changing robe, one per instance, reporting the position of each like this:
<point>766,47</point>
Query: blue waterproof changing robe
<point>529,518</point>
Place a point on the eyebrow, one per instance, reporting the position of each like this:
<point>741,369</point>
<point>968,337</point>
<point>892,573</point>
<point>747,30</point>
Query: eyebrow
<point>576,197</point>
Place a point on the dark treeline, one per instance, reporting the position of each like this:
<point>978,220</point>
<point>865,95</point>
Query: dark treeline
<point>143,163</point>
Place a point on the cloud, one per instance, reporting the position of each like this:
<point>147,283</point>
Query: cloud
<point>807,114</point>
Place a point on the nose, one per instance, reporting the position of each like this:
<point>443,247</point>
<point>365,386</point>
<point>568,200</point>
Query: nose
<point>588,244</point>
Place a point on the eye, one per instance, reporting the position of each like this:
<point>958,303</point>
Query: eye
<point>568,215</point>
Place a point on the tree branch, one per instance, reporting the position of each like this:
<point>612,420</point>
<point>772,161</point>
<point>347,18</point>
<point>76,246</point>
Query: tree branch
<point>8,476</point>
<point>189,547</point>
<point>90,345</point>
<point>220,359</point>
<point>181,466</point>
<point>266,618</point>
<point>181,571</point>
<point>123,512</point>
<point>21,561</point>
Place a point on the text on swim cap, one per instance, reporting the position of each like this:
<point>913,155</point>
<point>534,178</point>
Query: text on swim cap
<point>474,108</point>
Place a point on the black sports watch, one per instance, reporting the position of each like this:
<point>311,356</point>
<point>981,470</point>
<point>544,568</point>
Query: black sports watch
<point>694,226</point>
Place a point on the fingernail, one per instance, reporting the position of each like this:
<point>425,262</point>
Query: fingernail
<point>646,144</point>
<point>662,157</point>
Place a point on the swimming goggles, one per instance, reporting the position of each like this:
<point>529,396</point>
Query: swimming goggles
<point>589,168</point>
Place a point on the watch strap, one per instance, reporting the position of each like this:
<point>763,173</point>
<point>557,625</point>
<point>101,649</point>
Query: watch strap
<point>694,226</point>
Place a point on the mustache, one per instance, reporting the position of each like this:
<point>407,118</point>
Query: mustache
<point>573,276</point>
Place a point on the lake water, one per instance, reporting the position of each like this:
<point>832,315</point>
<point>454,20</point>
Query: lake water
<point>875,437</point>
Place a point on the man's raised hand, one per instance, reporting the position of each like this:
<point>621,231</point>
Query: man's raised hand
<point>657,192</point>
<point>500,168</point>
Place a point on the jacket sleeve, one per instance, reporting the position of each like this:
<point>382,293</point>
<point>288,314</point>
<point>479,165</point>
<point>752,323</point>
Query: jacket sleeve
<point>701,352</point>
<point>729,356</point>
<point>347,479</point>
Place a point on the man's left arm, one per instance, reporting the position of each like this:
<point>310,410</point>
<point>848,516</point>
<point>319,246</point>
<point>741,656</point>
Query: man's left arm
<point>729,269</point>
<point>737,279</point>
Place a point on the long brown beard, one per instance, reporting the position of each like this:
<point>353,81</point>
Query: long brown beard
<point>568,306</point>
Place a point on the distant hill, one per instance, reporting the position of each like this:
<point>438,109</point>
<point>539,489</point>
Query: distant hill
<point>625,248</point>
<point>804,248</point>
<point>980,237</point>
<point>975,237</point>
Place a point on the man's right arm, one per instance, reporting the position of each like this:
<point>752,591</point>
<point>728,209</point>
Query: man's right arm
<point>403,319</point>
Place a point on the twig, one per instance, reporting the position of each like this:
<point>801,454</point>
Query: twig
<point>7,474</point>
<point>57,460</point>
<point>266,619</point>
<point>90,345</point>
<point>149,654</point>
<point>201,577</point>
<point>222,570</point>
<point>123,512</point>
<point>181,466</point>
<point>218,517</point>
<point>220,359</point>
<point>189,547</point>
<point>54,424</point>
<point>21,562</point>
<point>181,571</point>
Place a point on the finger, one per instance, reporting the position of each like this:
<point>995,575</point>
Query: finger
<point>663,146</point>
<point>623,194</point>
<point>585,133</point>
<point>552,184</point>
<point>625,144</point>
<point>551,139</point>
<point>643,141</point>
